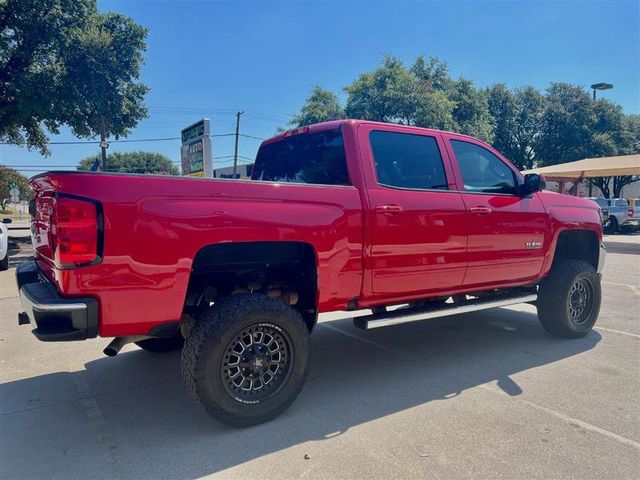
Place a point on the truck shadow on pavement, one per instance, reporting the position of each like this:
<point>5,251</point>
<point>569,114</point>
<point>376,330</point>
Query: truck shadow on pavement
<point>130,416</point>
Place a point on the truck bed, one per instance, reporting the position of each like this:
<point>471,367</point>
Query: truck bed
<point>154,226</point>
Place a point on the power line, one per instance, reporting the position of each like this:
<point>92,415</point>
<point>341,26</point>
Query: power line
<point>133,140</point>
<point>59,165</point>
<point>250,136</point>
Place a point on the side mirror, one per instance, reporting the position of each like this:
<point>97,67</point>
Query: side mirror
<point>533,183</point>
<point>6,220</point>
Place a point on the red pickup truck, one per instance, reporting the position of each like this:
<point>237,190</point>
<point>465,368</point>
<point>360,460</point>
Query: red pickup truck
<point>342,215</point>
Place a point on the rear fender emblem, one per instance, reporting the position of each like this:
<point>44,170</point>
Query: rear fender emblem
<point>532,244</point>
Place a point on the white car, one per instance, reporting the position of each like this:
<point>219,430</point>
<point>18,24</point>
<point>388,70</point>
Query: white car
<point>4,245</point>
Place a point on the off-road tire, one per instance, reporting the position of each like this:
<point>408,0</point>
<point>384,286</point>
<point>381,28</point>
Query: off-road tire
<point>555,299</point>
<point>4,263</point>
<point>162,345</point>
<point>206,347</point>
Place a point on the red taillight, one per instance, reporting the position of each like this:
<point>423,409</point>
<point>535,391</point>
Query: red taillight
<point>74,232</point>
<point>630,213</point>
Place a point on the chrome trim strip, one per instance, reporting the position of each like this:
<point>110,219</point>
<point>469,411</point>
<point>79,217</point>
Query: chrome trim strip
<point>385,322</point>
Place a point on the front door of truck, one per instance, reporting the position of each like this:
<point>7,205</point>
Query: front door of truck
<point>506,231</point>
<point>417,222</point>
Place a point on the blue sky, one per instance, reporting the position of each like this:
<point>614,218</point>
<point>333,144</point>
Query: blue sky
<point>209,59</point>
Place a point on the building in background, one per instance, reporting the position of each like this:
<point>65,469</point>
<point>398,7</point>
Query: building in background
<point>243,172</point>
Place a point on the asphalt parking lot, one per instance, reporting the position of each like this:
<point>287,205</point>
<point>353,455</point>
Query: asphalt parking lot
<point>485,395</point>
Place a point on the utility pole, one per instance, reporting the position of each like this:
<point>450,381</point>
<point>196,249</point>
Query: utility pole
<point>235,152</point>
<point>103,143</point>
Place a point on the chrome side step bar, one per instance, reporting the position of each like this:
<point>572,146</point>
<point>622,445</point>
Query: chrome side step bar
<point>407,315</point>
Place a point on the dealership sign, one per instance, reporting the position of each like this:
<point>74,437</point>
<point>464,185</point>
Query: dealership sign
<point>196,153</point>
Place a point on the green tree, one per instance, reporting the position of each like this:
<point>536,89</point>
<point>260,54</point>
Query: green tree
<point>530,105</point>
<point>384,95</point>
<point>625,130</point>
<point>321,106</point>
<point>134,162</point>
<point>574,126</point>
<point>471,112</point>
<point>567,126</point>
<point>433,71</point>
<point>432,83</point>
<point>502,107</point>
<point>64,63</point>
<point>411,96</point>
<point>530,128</point>
<point>630,139</point>
<point>434,110</point>
<point>9,176</point>
<point>517,117</point>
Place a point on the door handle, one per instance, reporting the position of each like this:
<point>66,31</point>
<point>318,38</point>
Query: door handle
<point>389,209</point>
<point>480,210</point>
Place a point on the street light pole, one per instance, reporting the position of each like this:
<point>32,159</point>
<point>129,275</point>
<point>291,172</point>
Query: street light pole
<point>601,86</point>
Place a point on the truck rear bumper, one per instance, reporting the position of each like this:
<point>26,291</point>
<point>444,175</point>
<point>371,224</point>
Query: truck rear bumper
<point>57,319</point>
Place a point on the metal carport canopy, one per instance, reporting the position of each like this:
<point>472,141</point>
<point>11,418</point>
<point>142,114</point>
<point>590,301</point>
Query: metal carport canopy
<point>592,167</point>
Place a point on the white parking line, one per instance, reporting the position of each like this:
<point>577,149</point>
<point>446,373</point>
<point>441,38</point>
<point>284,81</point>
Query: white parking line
<point>618,331</point>
<point>487,387</point>
<point>634,288</point>
<point>96,420</point>
<point>571,420</point>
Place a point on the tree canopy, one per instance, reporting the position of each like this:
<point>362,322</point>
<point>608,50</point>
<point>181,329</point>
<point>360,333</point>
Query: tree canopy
<point>422,95</point>
<point>64,63</point>
<point>134,162</point>
<point>321,106</point>
<point>9,176</point>
<point>531,128</point>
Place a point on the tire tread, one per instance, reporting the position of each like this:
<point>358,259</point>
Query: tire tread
<point>209,329</point>
<point>552,297</point>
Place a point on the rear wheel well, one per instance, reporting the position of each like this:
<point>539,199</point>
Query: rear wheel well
<point>285,270</point>
<point>577,245</point>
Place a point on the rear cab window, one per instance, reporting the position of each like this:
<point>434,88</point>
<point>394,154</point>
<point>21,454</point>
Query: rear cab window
<point>407,161</point>
<point>315,158</point>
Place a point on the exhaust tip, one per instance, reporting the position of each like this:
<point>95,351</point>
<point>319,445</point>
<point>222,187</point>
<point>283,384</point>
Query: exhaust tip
<point>117,343</point>
<point>110,352</point>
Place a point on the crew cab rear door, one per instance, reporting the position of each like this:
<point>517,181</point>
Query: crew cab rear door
<point>506,231</point>
<point>416,221</point>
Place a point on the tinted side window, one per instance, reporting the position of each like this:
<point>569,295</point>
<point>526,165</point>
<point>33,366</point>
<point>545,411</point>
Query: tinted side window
<point>407,161</point>
<point>304,158</point>
<point>481,170</point>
